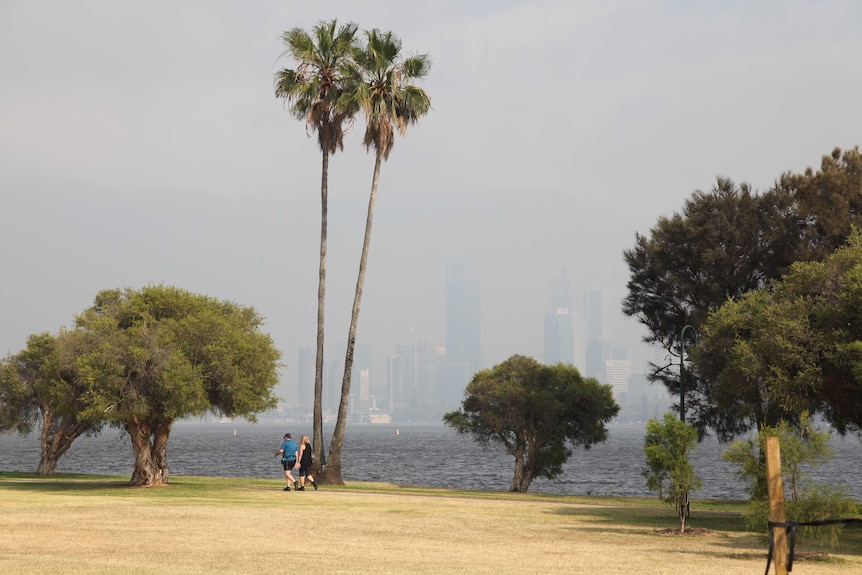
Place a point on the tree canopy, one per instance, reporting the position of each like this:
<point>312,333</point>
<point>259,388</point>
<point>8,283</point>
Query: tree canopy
<point>723,245</point>
<point>41,386</point>
<point>140,360</point>
<point>793,347</point>
<point>536,412</point>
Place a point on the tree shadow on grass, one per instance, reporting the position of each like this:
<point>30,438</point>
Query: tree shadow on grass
<point>656,517</point>
<point>60,482</point>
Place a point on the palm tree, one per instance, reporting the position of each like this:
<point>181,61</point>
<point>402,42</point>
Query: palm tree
<point>382,89</point>
<point>312,92</point>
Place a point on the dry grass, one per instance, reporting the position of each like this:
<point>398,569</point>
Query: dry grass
<point>90,526</point>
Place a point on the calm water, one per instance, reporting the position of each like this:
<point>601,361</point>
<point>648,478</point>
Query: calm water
<point>416,455</point>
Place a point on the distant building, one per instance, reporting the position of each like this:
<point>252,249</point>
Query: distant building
<point>463,317</point>
<point>596,348</point>
<point>559,336</point>
<point>305,380</point>
<point>616,374</point>
<point>559,341</point>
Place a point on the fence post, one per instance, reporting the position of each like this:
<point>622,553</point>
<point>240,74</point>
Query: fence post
<point>775,489</point>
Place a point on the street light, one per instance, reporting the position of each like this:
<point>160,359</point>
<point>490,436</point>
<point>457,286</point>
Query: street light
<point>682,367</point>
<point>686,504</point>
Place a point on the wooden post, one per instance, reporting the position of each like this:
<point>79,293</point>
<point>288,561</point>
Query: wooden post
<point>775,490</point>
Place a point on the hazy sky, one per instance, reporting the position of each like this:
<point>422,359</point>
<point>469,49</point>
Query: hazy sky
<point>141,143</point>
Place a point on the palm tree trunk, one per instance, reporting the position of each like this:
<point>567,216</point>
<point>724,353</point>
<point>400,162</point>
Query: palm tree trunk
<point>333,469</point>
<point>317,444</point>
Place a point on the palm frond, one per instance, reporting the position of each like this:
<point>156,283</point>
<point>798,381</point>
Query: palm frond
<point>384,93</point>
<point>313,89</point>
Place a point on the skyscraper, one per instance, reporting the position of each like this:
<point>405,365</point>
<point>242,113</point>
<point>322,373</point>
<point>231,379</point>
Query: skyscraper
<point>596,355</point>
<point>305,380</point>
<point>559,336</point>
<point>463,317</point>
<point>560,323</point>
<point>616,374</point>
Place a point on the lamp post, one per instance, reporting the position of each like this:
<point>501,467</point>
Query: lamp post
<point>685,328</point>
<point>686,504</point>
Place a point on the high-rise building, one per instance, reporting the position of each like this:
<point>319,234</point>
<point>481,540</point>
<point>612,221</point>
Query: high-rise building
<point>305,379</point>
<point>593,314</point>
<point>333,375</point>
<point>560,323</point>
<point>616,374</point>
<point>559,336</point>
<point>595,347</point>
<point>361,362</point>
<point>463,317</point>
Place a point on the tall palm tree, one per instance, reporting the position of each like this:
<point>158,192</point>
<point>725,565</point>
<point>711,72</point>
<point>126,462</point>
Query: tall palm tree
<point>312,92</point>
<point>382,89</point>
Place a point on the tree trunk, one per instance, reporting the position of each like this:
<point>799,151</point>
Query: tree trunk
<point>161,433</point>
<point>332,473</point>
<point>55,439</point>
<point>522,478</point>
<point>317,441</point>
<point>149,443</point>
<point>47,464</point>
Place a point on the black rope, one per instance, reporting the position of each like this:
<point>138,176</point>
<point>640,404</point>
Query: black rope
<point>790,530</point>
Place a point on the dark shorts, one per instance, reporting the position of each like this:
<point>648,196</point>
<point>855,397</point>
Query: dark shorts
<point>289,464</point>
<point>304,471</point>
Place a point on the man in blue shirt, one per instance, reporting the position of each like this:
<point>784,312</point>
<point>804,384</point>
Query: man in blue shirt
<point>288,451</point>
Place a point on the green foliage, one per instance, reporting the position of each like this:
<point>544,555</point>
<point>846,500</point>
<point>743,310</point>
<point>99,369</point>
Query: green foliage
<point>727,243</point>
<point>165,353</point>
<point>802,447</point>
<point>40,385</point>
<point>381,85</point>
<point>724,243</point>
<point>535,411</point>
<point>312,90</point>
<point>791,348</point>
<point>667,446</point>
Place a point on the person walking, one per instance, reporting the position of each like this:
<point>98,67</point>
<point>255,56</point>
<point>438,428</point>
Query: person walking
<point>305,460</point>
<point>289,451</point>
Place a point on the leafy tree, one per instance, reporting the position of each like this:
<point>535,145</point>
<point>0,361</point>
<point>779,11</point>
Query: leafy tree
<point>669,471</point>
<point>803,447</point>
<point>829,200</point>
<point>534,410</point>
<point>724,243</point>
<point>39,386</point>
<point>728,243</point>
<point>382,87</point>
<point>312,91</point>
<point>160,354</point>
<point>757,362</point>
<point>833,290</point>
<point>794,347</point>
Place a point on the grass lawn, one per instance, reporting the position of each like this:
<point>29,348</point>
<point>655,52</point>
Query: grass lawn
<point>84,524</point>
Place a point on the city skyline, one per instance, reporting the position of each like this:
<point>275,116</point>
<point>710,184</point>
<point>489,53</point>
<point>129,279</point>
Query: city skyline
<point>423,379</point>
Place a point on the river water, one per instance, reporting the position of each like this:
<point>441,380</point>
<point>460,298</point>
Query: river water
<point>413,455</point>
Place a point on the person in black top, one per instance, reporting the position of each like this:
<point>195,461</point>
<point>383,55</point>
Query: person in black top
<point>305,461</point>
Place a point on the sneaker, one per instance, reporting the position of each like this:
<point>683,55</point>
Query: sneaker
<point>314,484</point>
<point>301,488</point>
<point>296,484</point>
<point>287,488</point>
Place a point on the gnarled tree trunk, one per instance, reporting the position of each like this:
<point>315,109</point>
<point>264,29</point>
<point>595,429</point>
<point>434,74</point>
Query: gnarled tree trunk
<point>56,438</point>
<point>523,477</point>
<point>149,443</point>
